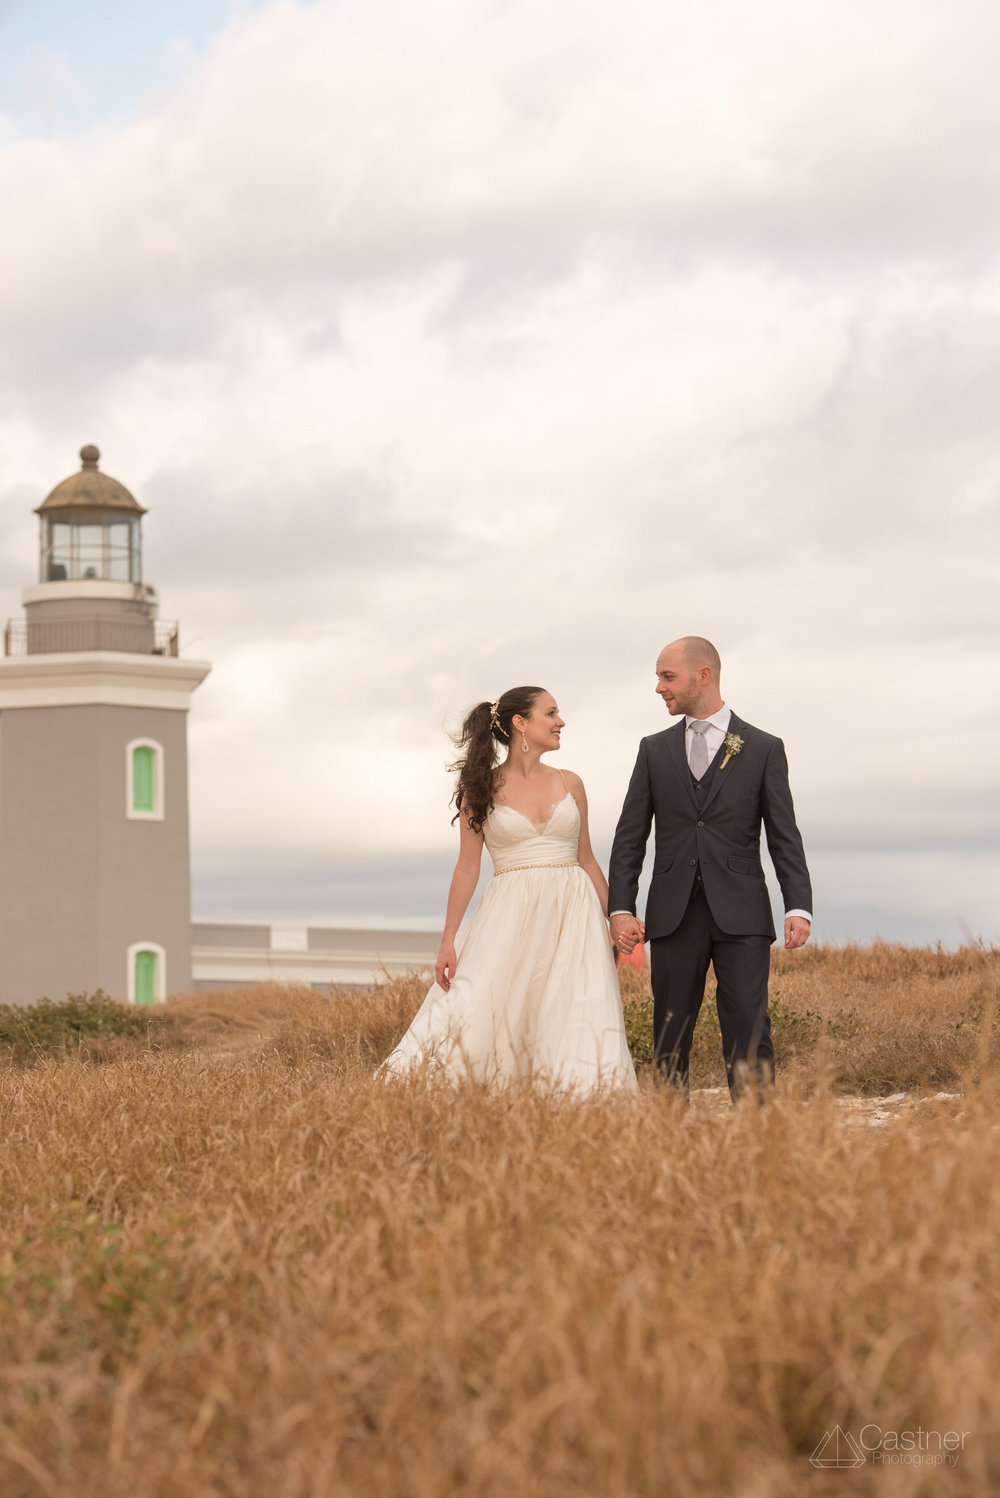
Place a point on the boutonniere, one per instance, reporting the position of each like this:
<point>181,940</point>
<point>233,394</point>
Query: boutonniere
<point>733,746</point>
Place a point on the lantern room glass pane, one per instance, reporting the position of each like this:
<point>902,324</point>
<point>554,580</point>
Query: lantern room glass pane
<point>145,977</point>
<point>119,551</point>
<point>90,551</point>
<point>57,561</point>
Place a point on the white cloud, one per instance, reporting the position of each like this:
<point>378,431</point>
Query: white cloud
<point>356,135</point>
<point>459,344</point>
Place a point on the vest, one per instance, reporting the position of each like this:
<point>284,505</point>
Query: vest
<point>702,787</point>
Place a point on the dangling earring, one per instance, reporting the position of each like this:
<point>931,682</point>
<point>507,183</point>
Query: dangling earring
<point>524,743</point>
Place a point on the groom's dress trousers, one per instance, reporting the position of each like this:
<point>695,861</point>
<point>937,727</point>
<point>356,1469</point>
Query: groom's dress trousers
<point>708,901</point>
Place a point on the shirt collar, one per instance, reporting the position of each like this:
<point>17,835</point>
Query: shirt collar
<point>719,720</point>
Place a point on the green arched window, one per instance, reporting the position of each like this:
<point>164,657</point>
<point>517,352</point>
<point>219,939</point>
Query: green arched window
<point>143,772</point>
<point>145,780</point>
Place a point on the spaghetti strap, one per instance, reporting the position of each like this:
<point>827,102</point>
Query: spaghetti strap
<point>565,786</point>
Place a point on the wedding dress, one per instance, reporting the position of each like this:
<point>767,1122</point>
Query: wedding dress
<point>535,990</point>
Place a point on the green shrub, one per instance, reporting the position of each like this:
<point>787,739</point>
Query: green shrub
<point>638,1014</point>
<point>94,1022</point>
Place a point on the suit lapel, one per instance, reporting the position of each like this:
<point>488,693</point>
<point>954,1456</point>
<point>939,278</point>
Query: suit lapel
<point>736,725</point>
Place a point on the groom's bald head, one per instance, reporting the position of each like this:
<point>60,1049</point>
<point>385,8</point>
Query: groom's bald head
<point>696,652</point>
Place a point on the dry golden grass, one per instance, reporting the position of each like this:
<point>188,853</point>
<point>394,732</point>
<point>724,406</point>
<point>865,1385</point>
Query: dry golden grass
<point>878,1019</point>
<point>242,1266</point>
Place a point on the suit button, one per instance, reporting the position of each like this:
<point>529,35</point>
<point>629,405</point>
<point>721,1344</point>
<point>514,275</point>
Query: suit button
<point>701,824</point>
<point>693,862</point>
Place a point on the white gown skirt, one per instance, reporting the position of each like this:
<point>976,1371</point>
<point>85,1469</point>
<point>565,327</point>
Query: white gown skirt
<point>535,992</point>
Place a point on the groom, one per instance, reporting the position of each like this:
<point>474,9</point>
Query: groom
<point>708,782</point>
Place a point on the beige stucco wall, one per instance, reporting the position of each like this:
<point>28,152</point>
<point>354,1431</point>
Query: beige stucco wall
<point>79,881</point>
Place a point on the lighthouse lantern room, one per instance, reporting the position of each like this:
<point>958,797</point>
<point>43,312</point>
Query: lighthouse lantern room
<point>91,528</point>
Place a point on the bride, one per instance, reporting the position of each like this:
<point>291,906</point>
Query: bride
<point>532,990</point>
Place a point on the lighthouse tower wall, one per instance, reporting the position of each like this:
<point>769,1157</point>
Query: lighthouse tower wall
<point>83,881</point>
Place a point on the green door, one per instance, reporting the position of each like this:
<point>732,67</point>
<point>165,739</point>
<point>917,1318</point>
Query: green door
<point>145,977</point>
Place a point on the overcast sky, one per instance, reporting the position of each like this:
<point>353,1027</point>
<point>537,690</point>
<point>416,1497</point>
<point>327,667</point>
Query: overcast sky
<point>454,344</point>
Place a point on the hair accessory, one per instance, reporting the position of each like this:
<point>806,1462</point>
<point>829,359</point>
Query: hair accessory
<point>495,719</point>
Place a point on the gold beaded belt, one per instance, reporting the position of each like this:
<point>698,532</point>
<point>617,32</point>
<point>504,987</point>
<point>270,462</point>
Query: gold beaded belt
<point>516,868</point>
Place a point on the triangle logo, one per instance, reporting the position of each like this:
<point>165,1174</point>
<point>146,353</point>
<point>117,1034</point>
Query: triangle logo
<point>838,1448</point>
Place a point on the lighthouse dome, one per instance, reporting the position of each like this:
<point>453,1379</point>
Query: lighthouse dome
<point>90,489</point>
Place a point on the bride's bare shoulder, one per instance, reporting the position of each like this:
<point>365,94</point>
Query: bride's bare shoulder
<point>573,781</point>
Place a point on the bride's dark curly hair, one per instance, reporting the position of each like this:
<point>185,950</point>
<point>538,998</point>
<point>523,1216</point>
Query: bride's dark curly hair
<point>479,739</point>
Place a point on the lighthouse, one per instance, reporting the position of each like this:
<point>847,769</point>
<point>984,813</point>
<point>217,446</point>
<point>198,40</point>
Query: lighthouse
<point>94,697</point>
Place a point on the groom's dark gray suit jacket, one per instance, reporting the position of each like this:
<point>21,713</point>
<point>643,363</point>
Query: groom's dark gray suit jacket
<point>715,834</point>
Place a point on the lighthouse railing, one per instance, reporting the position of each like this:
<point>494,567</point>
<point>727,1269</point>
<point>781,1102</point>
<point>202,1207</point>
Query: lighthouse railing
<point>69,635</point>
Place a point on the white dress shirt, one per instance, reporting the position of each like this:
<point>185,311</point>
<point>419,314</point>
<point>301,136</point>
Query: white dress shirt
<point>714,736</point>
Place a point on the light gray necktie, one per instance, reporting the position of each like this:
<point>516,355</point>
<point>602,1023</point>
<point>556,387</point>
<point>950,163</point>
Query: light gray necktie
<point>699,748</point>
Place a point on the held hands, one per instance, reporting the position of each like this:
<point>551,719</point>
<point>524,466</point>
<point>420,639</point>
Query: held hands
<point>627,931</point>
<point>447,962</point>
<point>796,931</point>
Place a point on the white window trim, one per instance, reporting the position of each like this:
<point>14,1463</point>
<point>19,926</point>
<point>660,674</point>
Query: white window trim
<point>161,969</point>
<point>156,815</point>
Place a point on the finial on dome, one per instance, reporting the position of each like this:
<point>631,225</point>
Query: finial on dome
<point>90,455</point>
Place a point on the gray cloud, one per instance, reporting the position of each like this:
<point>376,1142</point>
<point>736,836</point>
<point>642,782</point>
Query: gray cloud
<point>331,890</point>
